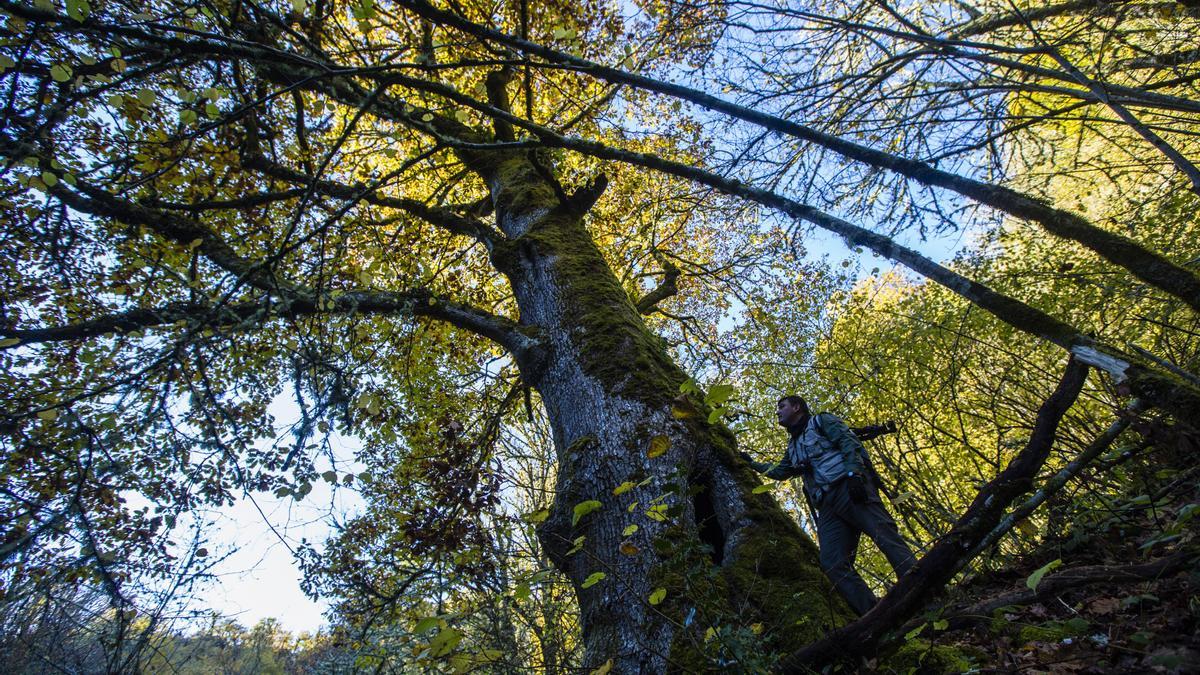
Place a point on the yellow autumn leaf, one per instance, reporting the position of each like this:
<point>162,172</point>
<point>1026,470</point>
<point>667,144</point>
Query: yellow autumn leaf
<point>658,445</point>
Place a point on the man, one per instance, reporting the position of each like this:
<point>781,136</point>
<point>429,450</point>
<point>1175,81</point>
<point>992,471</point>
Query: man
<point>846,503</point>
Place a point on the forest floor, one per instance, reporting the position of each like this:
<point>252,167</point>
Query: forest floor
<point>1121,595</point>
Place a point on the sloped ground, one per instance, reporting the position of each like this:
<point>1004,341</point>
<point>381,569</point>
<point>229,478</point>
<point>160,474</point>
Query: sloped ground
<point>1119,592</point>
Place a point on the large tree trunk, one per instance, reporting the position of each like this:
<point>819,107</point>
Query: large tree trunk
<point>726,557</point>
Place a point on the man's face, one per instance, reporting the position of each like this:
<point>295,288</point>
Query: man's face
<point>788,413</point>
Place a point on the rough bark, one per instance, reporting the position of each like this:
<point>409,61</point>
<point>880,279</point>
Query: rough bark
<point>724,555</point>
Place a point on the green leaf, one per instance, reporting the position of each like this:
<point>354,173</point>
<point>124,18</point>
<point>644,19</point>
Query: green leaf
<point>365,11</point>
<point>657,596</point>
<point>78,9</point>
<point>427,624</point>
<point>1186,513</point>
<point>49,178</point>
<point>147,96</point>
<point>658,445</point>
<point>623,488</point>
<point>538,516</point>
<point>488,656</point>
<point>682,411</point>
<point>716,415</point>
<point>187,116</point>
<point>1036,578</point>
<point>330,476</point>
<point>914,632</point>
<point>10,342</point>
<point>689,386</point>
<point>761,489</point>
<point>629,530</point>
<point>657,512</point>
<point>593,579</point>
<point>584,508</point>
<point>940,624</point>
<point>444,642</point>
<point>61,72</point>
<point>718,394</point>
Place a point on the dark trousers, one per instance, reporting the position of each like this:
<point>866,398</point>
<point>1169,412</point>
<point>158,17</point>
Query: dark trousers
<point>840,522</point>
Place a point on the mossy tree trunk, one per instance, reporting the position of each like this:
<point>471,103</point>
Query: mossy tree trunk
<point>728,558</point>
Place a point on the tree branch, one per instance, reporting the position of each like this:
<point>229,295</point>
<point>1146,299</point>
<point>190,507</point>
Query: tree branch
<point>648,304</point>
<point>1100,91</point>
<point>439,217</point>
<point>500,330</point>
<point>293,298</point>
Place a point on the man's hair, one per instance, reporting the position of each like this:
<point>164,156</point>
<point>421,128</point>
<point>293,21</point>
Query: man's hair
<point>796,401</point>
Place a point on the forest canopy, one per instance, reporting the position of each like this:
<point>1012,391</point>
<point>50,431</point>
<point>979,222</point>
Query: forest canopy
<point>549,266</point>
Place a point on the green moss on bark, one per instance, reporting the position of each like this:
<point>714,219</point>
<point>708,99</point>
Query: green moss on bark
<point>612,343</point>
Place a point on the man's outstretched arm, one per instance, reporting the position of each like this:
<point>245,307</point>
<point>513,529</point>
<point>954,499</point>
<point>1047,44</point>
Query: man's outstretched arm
<point>781,470</point>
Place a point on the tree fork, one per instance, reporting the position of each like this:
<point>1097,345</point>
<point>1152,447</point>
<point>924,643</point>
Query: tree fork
<point>1144,264</point>
<point>1163,389</point>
